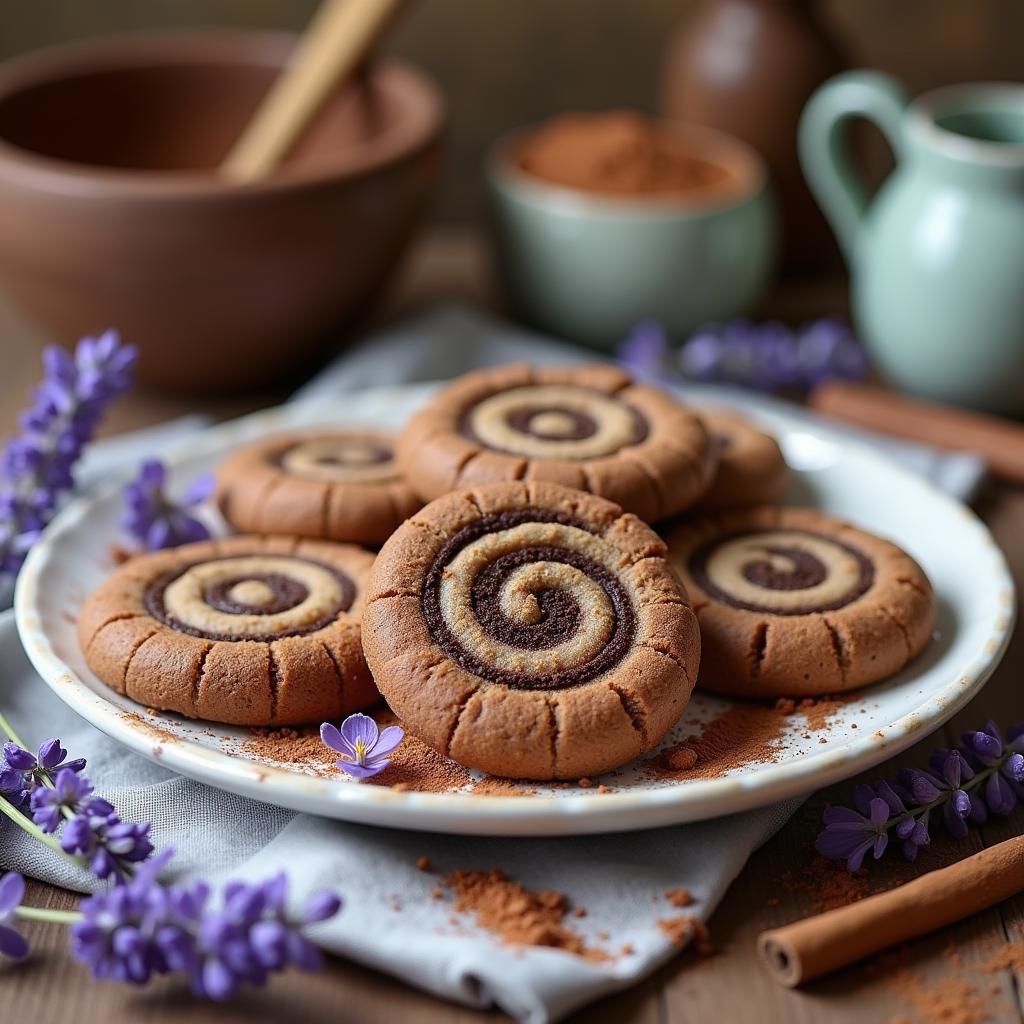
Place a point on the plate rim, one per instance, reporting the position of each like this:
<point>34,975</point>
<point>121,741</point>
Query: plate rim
<point>508,815</point>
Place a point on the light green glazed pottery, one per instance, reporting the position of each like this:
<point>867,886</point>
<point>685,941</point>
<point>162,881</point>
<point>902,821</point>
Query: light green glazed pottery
<point>588,267</point>
<point>936,259</point>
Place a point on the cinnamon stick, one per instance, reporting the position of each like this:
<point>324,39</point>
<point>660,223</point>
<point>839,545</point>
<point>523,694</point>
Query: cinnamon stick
<point>1000,442</point>
<point>818,945</point>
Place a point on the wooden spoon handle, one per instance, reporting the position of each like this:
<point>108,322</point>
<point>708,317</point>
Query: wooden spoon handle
<point>336,41</point>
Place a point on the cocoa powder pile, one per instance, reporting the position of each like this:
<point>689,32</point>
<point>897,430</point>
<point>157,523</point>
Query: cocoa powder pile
<point>515,914</point>
<point>617,153</point>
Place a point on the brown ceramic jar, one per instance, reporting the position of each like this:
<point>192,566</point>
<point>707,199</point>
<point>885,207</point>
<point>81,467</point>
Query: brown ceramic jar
<point>747,67</point>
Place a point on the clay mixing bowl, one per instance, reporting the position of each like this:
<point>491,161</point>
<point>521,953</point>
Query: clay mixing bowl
<point>112,213</point>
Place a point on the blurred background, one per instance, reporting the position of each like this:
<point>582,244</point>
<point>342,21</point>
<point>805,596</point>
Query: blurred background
<point>504,65</point>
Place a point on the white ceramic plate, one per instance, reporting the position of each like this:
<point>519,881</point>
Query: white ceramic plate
<point>976,612</point>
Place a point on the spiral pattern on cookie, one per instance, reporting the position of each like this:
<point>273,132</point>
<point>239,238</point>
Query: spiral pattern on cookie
<point>341,458</point>
<point>554,421</point>
<point>782,572</point>
<point>530,599</point>
<point>251,597</point>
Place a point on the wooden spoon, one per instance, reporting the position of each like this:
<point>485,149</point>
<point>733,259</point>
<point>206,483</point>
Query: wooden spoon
<point>333,45</point>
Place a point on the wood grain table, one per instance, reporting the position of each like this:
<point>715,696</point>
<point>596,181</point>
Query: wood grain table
<point>730,987</point>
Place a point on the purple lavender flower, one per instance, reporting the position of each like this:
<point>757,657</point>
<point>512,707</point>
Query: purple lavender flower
<point>156,519</point>
<point>364,749</point>
<point>37,466</point>
<point>644,351</point>
<point>21,772</point>
<point>109,844</point>
<point>849,834</point>
<point>68,794</point>
<point>985,774</point>
<point>12,891</point>
<point>765,356</point>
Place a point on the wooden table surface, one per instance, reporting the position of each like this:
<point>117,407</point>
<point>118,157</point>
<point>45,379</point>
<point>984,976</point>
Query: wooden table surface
<point>730,987</point>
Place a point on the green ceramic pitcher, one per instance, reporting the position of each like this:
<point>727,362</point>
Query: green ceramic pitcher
<point>936,258</point>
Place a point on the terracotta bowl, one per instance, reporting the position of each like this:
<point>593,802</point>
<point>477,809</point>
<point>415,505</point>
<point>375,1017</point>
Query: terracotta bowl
<point>112,214</point>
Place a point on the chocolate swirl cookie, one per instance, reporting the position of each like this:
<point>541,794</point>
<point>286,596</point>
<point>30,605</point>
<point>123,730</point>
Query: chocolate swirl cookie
<point>794,603</point>
<point>335,484</point>
<point>588,427</point>
<point>530,630</point>
<point>244,630</point>
<point>751,469</point>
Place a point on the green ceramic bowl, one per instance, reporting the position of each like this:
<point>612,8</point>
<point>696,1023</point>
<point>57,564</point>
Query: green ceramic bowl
<point>588,266</point>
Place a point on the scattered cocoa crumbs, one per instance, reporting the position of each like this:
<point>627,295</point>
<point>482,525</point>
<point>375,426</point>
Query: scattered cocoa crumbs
<point>119,555</point>
<point>947,1001</point>
<point>687,929</point>
<point>744,734</point>
<point>493,785</point>
<point>1010,957</point>
<point>515,914</point>
<point>293,746</point>
<point>785,705</point>
<point>423,863</point>
<point>604,789</point>
<point>584,783</point>
<point>828,884</point>
<point>679,897</point>
<point>436,894</point>
<point>627,949</point>
<point>579,912</point>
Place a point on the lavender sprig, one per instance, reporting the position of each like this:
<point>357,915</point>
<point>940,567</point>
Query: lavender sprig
<point>52,790</point>
<point>156,519</point>
<point>37,466</point>
<point>141,927</point>
<point>765,356</point>
<point>243,936</point>
<point>984,775</point>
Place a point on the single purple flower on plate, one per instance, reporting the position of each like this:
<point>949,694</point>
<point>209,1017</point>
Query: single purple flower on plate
<point>157,520</point>
<point>12,891</point>
<point>68,793</point>
<point>363,747</point>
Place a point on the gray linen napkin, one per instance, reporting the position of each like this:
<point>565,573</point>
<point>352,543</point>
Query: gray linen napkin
<point>390,920</point>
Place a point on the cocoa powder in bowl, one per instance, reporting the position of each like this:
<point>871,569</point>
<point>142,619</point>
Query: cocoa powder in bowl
<point>623,154</point>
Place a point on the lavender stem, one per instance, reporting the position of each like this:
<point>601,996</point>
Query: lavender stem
<point>45,914</point>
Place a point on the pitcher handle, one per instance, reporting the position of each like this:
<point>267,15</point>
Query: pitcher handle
<point>824,155</point>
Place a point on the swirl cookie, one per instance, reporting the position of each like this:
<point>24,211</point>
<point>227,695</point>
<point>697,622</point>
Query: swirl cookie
<point>335,484</point>
<point>588,427</point>
<point>792,602</point>
<point>244,630</point>
<point>531,631</point>
<point>750,470</point>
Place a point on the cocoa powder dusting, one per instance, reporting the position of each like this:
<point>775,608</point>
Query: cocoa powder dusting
<point>516,915</point>
<point>948,1001</point>
<point>827,883</point>
<point>1009,958</point>
<point>745,734</point>
<point>493,785</point>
